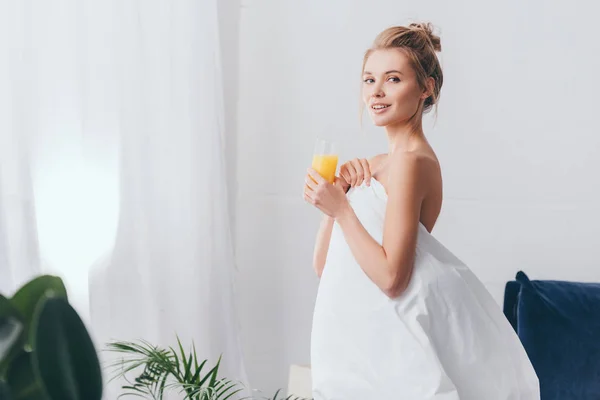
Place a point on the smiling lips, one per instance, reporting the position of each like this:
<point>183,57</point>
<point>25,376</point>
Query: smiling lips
<point>378,108</point>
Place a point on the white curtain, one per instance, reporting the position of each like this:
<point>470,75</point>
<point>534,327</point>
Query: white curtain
<point>117,108</point>
<point>19,250</point>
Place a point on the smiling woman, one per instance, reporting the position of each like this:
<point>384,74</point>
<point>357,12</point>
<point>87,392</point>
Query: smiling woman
<point>403,60</point>
<point>397,315</point>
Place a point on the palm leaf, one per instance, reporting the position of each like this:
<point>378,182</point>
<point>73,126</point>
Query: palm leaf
<point>158,365</point>
<point>226,389</point>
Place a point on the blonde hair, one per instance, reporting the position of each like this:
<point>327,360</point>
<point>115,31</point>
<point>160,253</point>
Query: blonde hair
<point>419,44</point>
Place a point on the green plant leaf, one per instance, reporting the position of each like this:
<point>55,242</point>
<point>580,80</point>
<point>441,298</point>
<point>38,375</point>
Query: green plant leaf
<point>184,369</point>
<point>11,330</point>
<point>290,397</point>
<point>212,374</point>
<point>225,389</point>
<point>157,365</point>
<point>5,391</point>
<point>195,356</point>
<point>28,296</point>
<point>64,355</point>
<point>23,380</point>
<point>7,309</point>
<point>12,333</point>
<point>187,362</point>
<point>196,378</point>
<point>177,365</point>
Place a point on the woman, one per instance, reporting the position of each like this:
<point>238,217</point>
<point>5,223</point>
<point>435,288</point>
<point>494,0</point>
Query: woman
<point>397,315</point>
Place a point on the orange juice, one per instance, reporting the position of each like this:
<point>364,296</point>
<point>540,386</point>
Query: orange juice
<point>325,165</point>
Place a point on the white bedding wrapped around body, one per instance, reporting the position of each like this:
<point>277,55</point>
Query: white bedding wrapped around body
<point>444,338</point>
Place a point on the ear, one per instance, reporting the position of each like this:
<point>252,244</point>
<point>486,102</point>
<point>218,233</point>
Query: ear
<point>430,87</point>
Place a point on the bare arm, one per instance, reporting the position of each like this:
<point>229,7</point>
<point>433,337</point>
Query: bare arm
<point>322,244</point>
<point>390,265</point>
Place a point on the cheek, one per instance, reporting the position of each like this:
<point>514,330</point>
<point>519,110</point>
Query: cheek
<point>407,98</point>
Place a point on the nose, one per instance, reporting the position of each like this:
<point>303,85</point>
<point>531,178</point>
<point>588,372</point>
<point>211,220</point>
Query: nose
<point>377,92</point>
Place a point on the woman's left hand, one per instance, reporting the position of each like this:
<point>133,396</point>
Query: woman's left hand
<point>327,197</point>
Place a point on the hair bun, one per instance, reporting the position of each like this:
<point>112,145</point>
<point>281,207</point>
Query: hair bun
<point>427,30</point>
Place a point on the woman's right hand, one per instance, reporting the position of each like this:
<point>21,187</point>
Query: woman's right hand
<point>355,172</point>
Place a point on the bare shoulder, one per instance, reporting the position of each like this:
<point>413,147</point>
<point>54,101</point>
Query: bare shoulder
<point>417,169</point>
<point>413,161</point>
<point>415,177</point>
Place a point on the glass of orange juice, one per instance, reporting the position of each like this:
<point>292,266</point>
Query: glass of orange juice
<point>325,159</point>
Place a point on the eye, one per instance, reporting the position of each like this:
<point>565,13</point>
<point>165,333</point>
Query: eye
<point>369,80</point>
<point>394,79</point>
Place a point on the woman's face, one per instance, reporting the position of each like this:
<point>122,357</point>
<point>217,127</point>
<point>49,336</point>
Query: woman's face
<point>390,89</point>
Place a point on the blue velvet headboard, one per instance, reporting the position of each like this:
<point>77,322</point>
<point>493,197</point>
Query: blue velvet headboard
<point>558,323</point>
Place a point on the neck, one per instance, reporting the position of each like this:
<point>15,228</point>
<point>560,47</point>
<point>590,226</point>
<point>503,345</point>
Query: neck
<point>406,135</point>
<point>403,137</point>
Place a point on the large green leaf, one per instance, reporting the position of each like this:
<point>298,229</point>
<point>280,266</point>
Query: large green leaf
<point>5,391</point>
<point>11,326</point>
<point>29,295</point>
<point>12,335</point>
<point>8,309</point>
<point>10,331</point>
<point>24,382</point>
<point>64,353</point>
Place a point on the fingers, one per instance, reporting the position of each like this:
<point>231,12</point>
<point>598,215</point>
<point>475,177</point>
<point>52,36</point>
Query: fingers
<point>308,196</point>
<point>367,171</point>
<point>310,183</point>
<point>316,176</point>
<point>344,180</point>
<point>351,171</point>
<point>341,183</point>
<point>313,192</point>
<point>345,175</point>
<point>360,172</point>
<point>356,171</point>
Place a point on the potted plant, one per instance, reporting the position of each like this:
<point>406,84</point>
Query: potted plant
<point>46,352</point>
<point>156,370</point>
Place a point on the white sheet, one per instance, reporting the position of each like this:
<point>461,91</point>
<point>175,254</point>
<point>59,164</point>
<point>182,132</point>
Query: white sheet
<point>445,338</point>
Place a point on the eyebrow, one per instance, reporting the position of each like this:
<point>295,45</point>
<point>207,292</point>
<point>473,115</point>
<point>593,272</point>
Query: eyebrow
<point>388,72</point>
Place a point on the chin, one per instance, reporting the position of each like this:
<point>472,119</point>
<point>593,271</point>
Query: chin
<point>380,121</point>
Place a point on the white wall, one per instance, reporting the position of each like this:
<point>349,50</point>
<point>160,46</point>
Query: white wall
<point>516,134</point>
